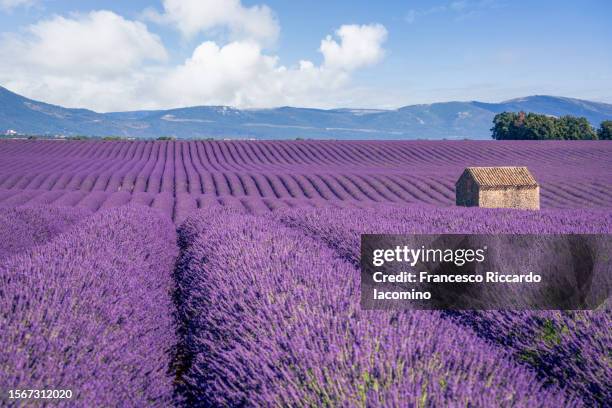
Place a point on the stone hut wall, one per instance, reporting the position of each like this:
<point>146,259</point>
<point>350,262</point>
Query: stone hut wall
<point>466,192</point>
<point>510,197</point>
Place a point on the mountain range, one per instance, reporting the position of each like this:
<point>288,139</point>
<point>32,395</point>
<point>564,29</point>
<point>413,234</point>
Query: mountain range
<point>446,120</point>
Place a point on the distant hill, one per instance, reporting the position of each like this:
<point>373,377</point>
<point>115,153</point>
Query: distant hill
<point>451,120</point>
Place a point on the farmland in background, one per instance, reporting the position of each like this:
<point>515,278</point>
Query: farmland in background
<point>177,177</point>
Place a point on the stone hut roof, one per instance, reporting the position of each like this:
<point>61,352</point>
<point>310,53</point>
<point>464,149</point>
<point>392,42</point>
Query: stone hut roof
<point>500,177</point>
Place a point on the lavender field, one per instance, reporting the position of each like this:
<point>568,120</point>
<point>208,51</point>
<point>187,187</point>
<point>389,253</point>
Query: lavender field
<point>226,273</point>
<point>178,177</point>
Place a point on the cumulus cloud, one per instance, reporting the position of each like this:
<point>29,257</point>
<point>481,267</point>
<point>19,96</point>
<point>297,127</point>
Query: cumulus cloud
<point>240,74</point>
<point>191,17</point>
<point>217,74</point>
<point>100,42</point>
<point>105,62</point>
<point>359,45</point>
<point>92,60</point>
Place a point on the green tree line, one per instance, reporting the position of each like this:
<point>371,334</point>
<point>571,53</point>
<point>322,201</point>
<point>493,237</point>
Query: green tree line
<point>533,126</point>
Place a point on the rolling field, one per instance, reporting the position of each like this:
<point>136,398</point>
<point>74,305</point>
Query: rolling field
<point>227,274</point>
<point>177,177</point>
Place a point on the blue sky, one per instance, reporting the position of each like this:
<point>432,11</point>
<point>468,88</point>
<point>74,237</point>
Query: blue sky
<point>109,55</point>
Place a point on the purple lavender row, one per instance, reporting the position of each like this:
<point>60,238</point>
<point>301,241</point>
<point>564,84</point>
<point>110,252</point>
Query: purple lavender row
<point>568,349</point>
<point>91,311</point>
<point>218,155</point>
<point>573,175</point>
<point>272,318</point>
<point>23,228</point>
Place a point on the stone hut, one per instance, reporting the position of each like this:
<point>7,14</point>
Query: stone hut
<point>498,187</point>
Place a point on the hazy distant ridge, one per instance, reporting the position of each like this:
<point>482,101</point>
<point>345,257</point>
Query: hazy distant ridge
<point>433,121</point>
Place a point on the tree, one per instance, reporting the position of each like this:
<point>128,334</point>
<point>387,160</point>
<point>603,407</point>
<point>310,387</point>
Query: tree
<point>573,128</point>
<point>522,126</point>
<point>605,130</point>
<point>503,125</point>
<point>538,127</point>
<point>533,126</point>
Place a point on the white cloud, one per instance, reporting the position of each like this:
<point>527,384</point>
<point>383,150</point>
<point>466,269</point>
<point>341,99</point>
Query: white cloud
<point>359,46</point>
<point>105,62</point>
<point>98,43</point>
<point>239,74</point>
<point>218,75</point>
<point>93,60</point>
<point>11,4</point>
<point>191,17</point>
